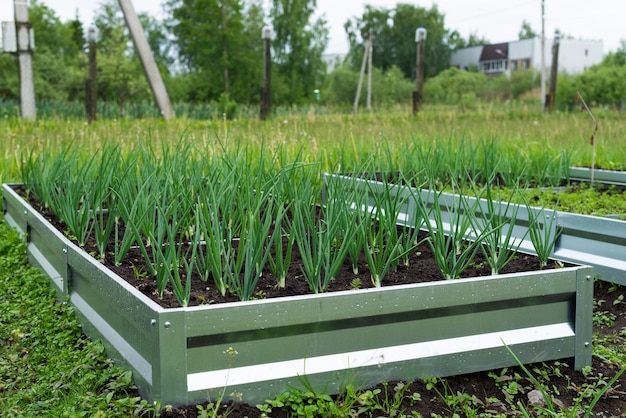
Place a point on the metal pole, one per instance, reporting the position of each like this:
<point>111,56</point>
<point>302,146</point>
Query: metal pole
<point>420,38</point>
<point>543,55</point>
<point>23,30</point>
<point>554,71</point>
<point>266,91</point>
<point>147,60</point>
<point>92,90</point>
<point>370,43</point>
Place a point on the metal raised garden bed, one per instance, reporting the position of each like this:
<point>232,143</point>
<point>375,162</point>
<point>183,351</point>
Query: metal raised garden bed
<point>361,337</point>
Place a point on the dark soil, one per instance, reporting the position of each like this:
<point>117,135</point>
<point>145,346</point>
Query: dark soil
<point>421,268</point>
<point>485,390</point>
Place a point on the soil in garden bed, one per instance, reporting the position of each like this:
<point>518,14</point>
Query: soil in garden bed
<point>421,268</point>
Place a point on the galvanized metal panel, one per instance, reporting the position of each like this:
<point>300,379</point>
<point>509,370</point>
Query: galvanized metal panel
<point>598,242</point>
<point>170,369</point>
<point>583,327</point>
<point>365,368</point>
<point>433,322</point>
<point>128,313</point>
<point>47,249</point>
<point>601,176</point>
<point>315,339</point>
<point>259,314</point>
<point>14,211</point>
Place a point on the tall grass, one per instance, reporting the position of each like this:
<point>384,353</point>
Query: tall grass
<point>341,142</point>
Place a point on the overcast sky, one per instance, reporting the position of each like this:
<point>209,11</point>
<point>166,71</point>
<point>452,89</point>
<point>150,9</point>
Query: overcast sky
<point>495,20</point>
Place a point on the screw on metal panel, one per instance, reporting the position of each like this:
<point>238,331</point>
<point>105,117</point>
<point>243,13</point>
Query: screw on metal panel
<point>153,322</point>
<point>64,250</point>
<point>167,324</point>
<point>25,212</point>
<point>587,344</point>
<point>588,277</point>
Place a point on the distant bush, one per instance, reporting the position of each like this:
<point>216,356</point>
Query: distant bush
<point>387,89</point>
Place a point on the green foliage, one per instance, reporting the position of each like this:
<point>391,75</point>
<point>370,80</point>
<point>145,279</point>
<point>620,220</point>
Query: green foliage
<point>523,81</point>
<point>9,82</point>
<point>120,75</point>
<point>304,403</point>
<point>59,58</point>
<point>298,44</point>
<point>603,84</point>
<point>387,89</point>
<point>457,87</point>
<point>226,107</point>
<point>393,31</point>
<point>47,367</point>
<point>526,32</point>
<point>220,46</point>
<point>451,85</point>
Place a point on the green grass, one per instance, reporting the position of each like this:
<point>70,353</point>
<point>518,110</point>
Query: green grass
<point>339,142</point>
<point>47,366</point>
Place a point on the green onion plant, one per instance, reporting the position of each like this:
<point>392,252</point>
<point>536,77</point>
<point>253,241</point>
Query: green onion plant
<point>544,231</point>
<point>449,234</point>
<point>496,222</point>
<point>382,246</point>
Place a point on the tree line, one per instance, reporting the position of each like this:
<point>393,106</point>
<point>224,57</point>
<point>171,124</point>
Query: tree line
<point>212,51</point>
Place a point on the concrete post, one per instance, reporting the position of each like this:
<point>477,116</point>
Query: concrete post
<point>147,60</point>
<point>23,30</point>
<point>554,70</point>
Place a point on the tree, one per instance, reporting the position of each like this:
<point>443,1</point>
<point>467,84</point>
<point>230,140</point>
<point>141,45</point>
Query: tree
<point>298,46</point>
<point>9,83</point>
<point>394,38</point>
<point>617,58</point>
<point>377,22</point>
<point>252,56</point>
<point>213,46</point>
<point>526,32</point>
<point>58,59</point>
<point>120,75</point>
<point>456,41</point>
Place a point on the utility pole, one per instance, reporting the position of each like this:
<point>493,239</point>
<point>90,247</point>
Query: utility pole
<point>420,39</point>
<point>543,55</point>
<point>92,90</point>
<point>25,40</point>
<point>266,92</point>
<point>147,60</point>
<point>554,71</point>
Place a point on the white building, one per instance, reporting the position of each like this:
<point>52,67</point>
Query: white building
<point>574,56</point>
